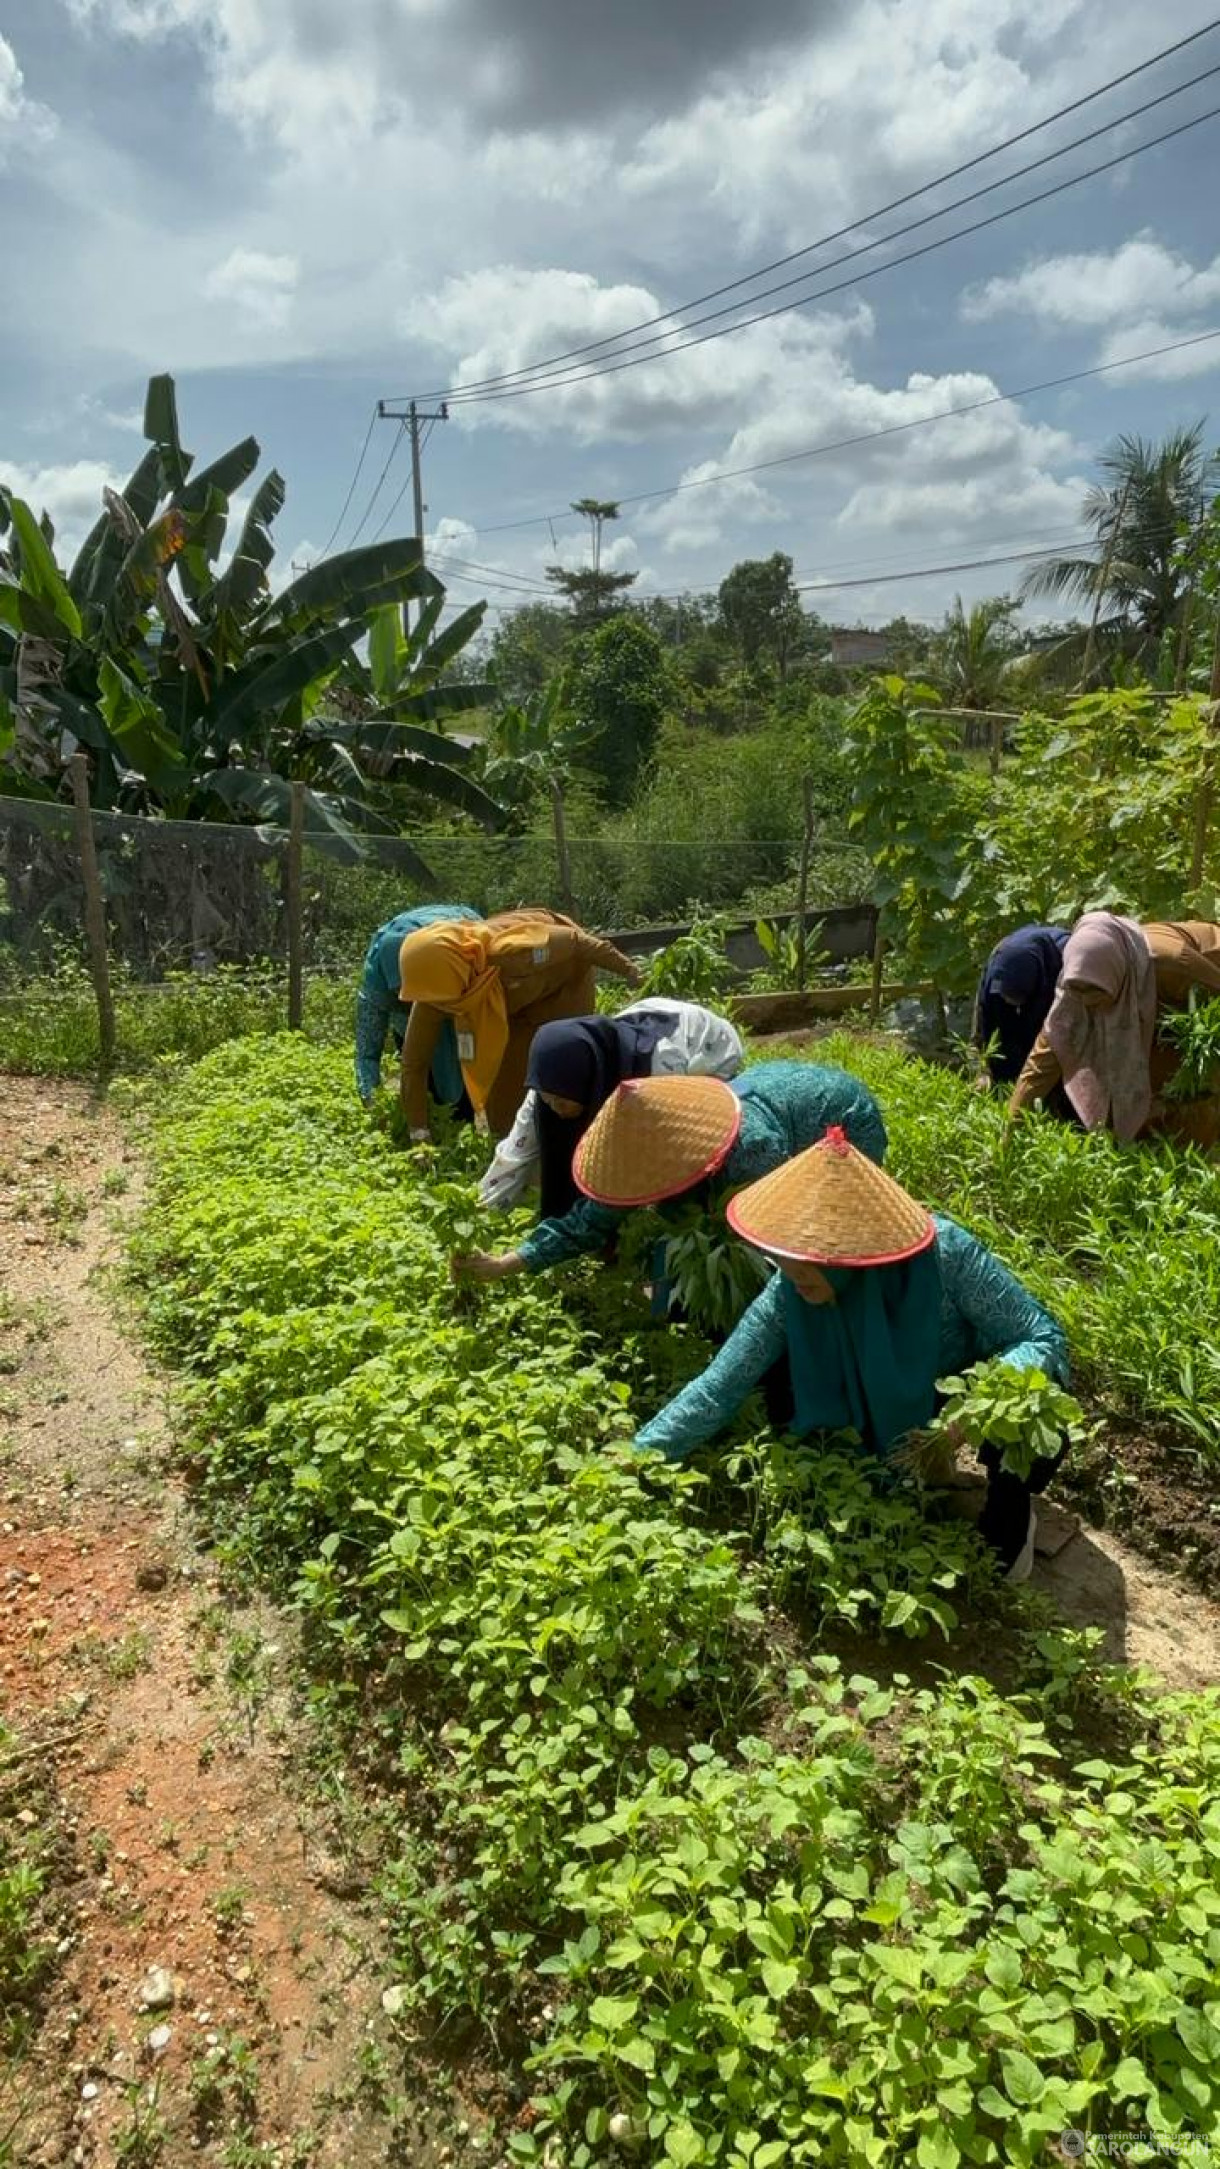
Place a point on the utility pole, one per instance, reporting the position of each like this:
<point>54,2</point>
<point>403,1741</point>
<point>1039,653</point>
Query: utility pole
<point>411,416</point>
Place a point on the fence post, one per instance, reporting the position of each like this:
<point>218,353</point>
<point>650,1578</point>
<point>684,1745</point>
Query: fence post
<point>874,1007</point>
<point>802,892</point>
<point>95,908</point>
<point>561,846</point>
<point>292,904</point>
<point>1207,778</point>
<point>997,745</point>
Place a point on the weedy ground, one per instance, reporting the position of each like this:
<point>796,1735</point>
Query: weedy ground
<point>729,1815</point>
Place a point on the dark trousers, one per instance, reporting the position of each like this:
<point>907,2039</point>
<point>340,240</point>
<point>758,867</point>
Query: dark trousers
<point>462,1110</point>
<point>1004,1521</point>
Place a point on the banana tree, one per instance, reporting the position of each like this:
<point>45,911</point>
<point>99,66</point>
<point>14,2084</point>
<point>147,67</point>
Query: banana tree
<point>197,690</point>
<point>535,746</point>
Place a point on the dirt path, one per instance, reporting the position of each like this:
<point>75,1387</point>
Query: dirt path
<point>212,1993</point>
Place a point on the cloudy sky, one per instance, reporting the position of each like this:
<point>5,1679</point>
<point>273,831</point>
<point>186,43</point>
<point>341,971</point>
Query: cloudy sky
<point>299,206</point>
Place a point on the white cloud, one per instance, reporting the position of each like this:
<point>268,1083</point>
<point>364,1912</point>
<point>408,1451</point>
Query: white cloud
<point>1144,336</point>
<point>369,144</point>
<point>261,286</point>
<point>945,478</point>
<point>884,95</point>
<point>451,537</point>
<point>23,122</point>
<point>499,321</point>
<point>71,494</point>
<point>1142,278</point>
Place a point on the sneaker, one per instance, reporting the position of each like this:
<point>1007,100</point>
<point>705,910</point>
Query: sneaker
<point>1023,1565</point>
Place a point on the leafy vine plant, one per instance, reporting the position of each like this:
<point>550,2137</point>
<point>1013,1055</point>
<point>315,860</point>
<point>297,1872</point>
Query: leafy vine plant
<point>1107,803</point>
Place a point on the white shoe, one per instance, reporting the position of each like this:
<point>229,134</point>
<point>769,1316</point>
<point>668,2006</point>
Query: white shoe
<point>1023,1565</point>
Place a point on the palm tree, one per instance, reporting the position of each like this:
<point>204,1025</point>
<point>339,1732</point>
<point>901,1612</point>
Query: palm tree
<point>1137,578</point>
<point>974,652</point>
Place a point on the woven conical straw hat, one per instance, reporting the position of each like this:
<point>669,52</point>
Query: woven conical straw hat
<point>832,1206</point>
<point>655,1137</point>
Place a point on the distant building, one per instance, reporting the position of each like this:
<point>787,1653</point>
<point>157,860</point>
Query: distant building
<point>852,646</point>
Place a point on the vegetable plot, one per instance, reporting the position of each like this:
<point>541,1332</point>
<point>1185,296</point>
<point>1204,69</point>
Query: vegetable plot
<point>713,1896</point>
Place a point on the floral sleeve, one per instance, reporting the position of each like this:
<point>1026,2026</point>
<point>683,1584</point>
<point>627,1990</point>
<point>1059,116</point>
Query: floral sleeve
<point>711,1401</point>
<point>990,1313</point>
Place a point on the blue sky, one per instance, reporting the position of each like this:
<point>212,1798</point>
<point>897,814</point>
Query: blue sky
<point>300,205</point>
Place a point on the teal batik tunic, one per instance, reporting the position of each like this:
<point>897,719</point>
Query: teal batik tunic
<point>785,1107</point>
<point>984,1312</point>
<point>378,1006</point>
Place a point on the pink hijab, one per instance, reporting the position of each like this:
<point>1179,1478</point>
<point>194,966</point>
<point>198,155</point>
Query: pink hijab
<point>1104,1052</point>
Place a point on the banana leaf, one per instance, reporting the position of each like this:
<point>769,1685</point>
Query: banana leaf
<point>357,580</point>
<point>268,687</point>
<point>100,555</point>
<point>40,575</point>
<point>161,429</point>
<point>244,581</point>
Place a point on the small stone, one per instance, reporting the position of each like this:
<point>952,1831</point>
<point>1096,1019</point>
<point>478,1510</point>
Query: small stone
<point>89,2091</point>
<point>159,2040</point>
<point>152,1574</point>
<point>156,1991</point>
<point>624,2130</point>
<point>393,2000</point>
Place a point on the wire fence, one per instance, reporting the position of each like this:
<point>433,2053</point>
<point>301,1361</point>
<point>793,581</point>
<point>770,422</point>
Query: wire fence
<point>189,896</point>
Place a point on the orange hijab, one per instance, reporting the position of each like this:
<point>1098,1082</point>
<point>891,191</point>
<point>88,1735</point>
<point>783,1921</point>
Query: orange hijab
<point>448,966</point>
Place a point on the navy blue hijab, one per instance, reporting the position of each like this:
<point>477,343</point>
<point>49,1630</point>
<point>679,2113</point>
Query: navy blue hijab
<point>1023,969</point>
<point>584,1059</point>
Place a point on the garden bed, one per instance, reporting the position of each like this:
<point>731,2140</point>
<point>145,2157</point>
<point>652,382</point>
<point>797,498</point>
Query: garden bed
<point>714,1892</point>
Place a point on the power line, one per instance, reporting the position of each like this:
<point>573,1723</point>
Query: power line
<point>1049,543</point>
<point>377,488</point>
<point>460,569</point>
<point>612,367</point>
<point>393,509</point>
<point>869,436</point>
<point>351,488</point>
<point>1047,538</point>
<point>780,263</point>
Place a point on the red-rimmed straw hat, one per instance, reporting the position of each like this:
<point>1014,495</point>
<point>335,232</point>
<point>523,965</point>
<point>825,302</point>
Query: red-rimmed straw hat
<point>832,1206</point>
<point>655,1137</point>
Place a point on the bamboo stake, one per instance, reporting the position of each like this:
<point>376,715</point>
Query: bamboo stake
<point>95,908</point>
<point>292,906</point>
<point>802,891</point>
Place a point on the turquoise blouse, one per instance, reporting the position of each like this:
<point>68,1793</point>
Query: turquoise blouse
<point>378,1005</point>
<point>785,1107</point>
<point>984,1312</point>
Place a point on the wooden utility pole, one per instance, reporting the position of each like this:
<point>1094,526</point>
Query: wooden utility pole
<point>414,420</point>
<point>95,908</point>
<point>292,907</point>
